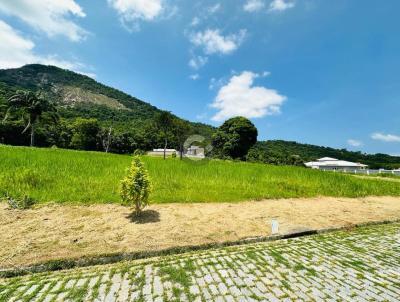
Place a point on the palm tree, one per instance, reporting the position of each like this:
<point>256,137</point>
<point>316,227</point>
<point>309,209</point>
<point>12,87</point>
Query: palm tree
<point>32,106</point>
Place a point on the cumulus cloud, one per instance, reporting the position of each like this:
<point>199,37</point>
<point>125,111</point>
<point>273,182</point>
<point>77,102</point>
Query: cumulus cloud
<point>388,138</point>
<point>49,16</point>
<point>212,41</point>
<point>194,77</point>
<point>280,5</point>
<point>253,5</point>
<point>16,51</point>
<point>131,12</point>
<point>354,143</point>
<point>240,98</point>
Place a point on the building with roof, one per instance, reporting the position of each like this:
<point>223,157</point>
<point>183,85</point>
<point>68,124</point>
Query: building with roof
<point>195,151</point>
<point>192,151</point>
<point>328,163</point>
<point>160,152</point>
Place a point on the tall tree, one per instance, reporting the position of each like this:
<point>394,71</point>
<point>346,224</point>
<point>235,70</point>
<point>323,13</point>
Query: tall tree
<point>164,124</point>
<point>32,106</point>
<point>235,137</point>
<point>86,134</point>
<point>181,131</point>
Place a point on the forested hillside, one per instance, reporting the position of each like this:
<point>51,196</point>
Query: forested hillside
<point>82,103</point>
<point>284,152</point>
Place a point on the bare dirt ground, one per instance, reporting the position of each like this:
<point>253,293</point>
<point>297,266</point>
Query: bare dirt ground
<point>61,232</point>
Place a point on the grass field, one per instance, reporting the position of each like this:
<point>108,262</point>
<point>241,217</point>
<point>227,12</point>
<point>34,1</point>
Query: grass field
<point>56,175</point>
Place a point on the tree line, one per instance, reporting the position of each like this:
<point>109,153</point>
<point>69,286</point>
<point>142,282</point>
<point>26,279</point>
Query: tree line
<point>28,118</point>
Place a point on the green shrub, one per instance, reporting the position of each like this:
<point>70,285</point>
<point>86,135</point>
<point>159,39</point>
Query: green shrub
<point>173,155</point>
<point>138,152</point>
<point>135,187</point>
<point>20,203</point>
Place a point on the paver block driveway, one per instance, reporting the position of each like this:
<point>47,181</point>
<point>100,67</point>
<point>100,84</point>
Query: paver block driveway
<point>357,265</point>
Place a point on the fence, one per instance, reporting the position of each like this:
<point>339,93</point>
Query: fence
<point>366,171</point>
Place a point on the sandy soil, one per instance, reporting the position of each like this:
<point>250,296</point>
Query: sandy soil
<point>55,232</point>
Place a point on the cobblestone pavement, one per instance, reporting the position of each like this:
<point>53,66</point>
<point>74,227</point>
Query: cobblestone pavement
<point>357,265</point>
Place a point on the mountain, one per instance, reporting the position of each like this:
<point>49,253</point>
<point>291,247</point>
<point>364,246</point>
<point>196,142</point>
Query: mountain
<point>68,88</point>
<point>80,96</point>
<point>285,152</point>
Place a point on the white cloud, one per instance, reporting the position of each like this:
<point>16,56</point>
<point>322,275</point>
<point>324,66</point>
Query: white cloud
<point>215,8</point>
<point>194,77</point>
<point>133,11</point>
<point>280,5</point>
<point>240,98</point>
<point>354,143</point>
<point>213,42</point>
<point>388,138</point>
<point>216,83</point>
<point>205,13</point>
<point>16,51</point>
<point>195,21</point>
<point>253,5</point>
<point>49,16</point>
<point>197,62</point>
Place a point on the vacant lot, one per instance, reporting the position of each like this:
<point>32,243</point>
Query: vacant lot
<point>68,231</point>
<point>65,176</point>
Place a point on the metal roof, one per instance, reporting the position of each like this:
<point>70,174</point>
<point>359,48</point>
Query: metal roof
<point>327,159</point>
<point>324,162</point>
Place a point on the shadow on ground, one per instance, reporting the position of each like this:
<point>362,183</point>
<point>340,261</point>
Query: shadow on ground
<point>147,216</point>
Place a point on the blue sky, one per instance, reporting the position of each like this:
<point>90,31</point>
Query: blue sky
<point>314,71</point>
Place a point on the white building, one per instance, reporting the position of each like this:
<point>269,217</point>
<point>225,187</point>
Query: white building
<point>328,163</point>
<point>160,152</point>
<point>192,151</point>
<point>195,151</point>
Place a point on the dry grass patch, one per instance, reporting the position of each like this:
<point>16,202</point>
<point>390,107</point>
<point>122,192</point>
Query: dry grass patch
<point>63,232</point>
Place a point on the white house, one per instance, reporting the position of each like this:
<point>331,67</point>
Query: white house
<point>192,151</point>
<point>328,163</point>
<point>160,152</point>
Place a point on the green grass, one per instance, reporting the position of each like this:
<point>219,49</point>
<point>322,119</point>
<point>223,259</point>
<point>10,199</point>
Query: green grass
<point>383,175</point>
<point>66,176</point>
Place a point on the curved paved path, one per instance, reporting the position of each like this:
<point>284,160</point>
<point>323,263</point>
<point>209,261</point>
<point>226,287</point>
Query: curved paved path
<point>359,265</point>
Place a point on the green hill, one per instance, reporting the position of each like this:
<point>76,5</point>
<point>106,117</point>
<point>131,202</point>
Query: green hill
<point>284,152</point>
<point>70,89</point>
<point>77,95</point>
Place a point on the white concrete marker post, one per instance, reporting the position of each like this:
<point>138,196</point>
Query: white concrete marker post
<point>274,227</point>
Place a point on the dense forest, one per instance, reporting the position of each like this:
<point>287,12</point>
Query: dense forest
<point>293,153</point>
<point>93,116</point>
